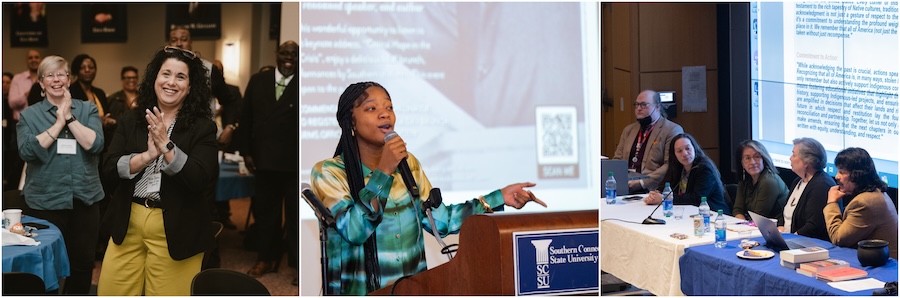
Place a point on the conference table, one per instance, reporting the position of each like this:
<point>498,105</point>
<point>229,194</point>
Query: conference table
<point>718,271</point>
<point>49,260</point>
<point>232,185</point>
<point>646,256</point>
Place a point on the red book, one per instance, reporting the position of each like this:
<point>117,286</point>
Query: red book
<point>824,265</point>
<point>841,274</point>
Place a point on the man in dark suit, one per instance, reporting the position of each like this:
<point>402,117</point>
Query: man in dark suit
<point>270,144</point>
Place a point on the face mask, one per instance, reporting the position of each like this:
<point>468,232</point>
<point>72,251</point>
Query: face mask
<point>645,122</point>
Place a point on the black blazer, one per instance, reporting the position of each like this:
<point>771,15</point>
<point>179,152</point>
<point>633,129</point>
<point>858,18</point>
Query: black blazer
<point>186,217</point>
<point>703,182</point>
<point>269,130</point>
<point>808,218</point>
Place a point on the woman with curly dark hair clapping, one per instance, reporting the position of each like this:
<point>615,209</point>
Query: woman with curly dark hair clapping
<point>164,153</point>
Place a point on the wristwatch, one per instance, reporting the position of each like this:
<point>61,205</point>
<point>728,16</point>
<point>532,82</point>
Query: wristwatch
<point>70,120</point>
<point>169,146</point>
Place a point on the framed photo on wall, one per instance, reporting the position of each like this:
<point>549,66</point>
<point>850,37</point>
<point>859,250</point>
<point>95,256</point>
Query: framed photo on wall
<point>203,19</point>
<point>104,23</point>
<point>28,23</point>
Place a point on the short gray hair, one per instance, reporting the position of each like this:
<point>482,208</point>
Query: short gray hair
<point>52,62</point>
<point>811,152</point>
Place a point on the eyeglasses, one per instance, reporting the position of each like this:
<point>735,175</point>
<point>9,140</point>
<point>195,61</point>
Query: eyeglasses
<point>750,158</point>
<point>59,75</point>
<point>642,105</point>
<point>186,53</point>
<point>129,78</point>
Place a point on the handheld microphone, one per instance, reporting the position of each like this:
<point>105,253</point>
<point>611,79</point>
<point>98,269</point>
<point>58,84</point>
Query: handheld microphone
<point>403,167</point>
<point>653,221</point>
<point>322,213</point>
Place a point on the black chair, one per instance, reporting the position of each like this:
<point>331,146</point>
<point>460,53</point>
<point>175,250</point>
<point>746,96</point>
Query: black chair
<point>22,283</point>
<point>223,282</point>
<point>730,195</point>
<point>212,258</point>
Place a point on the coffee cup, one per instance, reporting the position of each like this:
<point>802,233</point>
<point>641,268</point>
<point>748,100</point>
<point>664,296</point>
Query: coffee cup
<point>11,217</point>
<point>872,252</point>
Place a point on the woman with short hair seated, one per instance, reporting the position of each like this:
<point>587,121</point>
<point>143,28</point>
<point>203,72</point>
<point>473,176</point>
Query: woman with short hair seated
<point>760,189</point>
<point>802,213</point>
<point>691,175</point>
<point>870,213</point>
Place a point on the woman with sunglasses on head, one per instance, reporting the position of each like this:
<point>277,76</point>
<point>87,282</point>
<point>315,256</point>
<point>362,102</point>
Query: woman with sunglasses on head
<point>163,153</point>
<point>870,213</point>
<point>60,139</point>
<point>759,189</point>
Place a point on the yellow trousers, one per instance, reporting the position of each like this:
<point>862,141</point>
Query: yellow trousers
<point>141,265</point>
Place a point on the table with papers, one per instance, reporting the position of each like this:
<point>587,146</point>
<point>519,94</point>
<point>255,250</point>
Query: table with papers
<point>646,256</point>
<point>718,271</point>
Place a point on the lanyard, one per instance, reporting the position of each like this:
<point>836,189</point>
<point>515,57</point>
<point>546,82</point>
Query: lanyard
<point>642,137</point>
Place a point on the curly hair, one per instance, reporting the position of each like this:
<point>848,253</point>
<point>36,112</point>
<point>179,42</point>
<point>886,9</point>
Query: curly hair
<point>196,102</point>
<point>861,167</point>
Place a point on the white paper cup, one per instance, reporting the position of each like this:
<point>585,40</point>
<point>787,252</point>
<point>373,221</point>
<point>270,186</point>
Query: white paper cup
<point>11,217</point>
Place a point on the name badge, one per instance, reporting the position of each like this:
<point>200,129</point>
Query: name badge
<point>66,146</point>
<point>154,180</point>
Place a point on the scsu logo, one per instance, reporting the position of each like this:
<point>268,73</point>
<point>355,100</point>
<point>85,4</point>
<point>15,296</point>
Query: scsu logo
<point>543,276</point>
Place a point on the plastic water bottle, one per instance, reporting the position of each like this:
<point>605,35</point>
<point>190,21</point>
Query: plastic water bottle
<point>720,230</point>
<point>667,200</point>
<point>704,211</point>
<point>611,189</point>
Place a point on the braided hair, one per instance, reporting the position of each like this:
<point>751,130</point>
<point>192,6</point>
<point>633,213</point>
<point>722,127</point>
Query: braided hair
<point>349,150</point>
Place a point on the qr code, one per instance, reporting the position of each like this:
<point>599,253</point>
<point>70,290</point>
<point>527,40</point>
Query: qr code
<point>557,135</point>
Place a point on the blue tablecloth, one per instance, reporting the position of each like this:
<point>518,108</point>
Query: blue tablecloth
<point>48,260</point>
<point>710,271</point>
<point>231,185</point>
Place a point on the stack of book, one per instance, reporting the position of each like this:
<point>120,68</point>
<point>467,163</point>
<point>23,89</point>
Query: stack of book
<point>812,268</point>
<point>841,274</point>
<point>793,258</point>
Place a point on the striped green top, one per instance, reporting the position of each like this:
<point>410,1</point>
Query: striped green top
<point>398,225</point>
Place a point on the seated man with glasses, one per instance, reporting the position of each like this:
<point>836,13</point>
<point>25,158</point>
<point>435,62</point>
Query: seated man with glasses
<point>644,143</point>
<point>759,189</point>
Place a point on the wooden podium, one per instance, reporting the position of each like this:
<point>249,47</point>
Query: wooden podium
<point>484,263</point>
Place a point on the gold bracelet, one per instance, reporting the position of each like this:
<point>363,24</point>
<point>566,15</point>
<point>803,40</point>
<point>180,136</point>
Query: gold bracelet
<point>484,203</point>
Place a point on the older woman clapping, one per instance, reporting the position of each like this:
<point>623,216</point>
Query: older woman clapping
<point>60,139</point>
<point>164,153</point>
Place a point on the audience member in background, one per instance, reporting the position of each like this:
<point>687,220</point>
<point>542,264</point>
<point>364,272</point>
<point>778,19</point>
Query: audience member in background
<point>380,235</point>
<point>644,142</point>
<point>61,138</point>
<point>223,209</point>
<point>124,100</point>
<point>164,153</point>
<point>269,143</point>
<point>870,213</point>
<point>266,67</point>
<point>21,84</point>
<point>760,189</point>
<point>12,163</point>
<point>85,70</point>
<point>803,211</point>
<point>692,175</point>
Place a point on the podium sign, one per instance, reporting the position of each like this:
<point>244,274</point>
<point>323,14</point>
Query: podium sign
<point>557,262</point>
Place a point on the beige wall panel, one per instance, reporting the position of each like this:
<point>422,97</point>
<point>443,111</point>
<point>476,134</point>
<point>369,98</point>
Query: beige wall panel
<point>621,113</point>
<point>676,34</point>
<point>623,30</point>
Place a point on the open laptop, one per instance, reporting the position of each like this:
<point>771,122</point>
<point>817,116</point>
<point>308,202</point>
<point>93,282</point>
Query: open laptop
<point>620,172</point>
<point>774,240</point>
